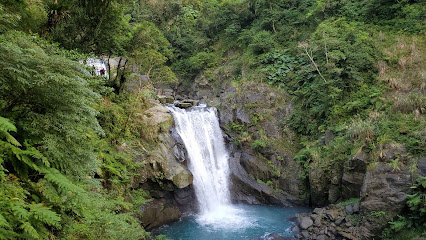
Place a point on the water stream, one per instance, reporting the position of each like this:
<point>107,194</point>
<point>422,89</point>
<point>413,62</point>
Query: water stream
<point>218,218</point>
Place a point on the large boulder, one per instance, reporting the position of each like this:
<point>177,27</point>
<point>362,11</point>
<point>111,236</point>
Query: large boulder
<point>158,213</point>
<point>246,189</point>
<point>353,176</point>
<point>167,164</point>
<point>186,103</point>
<point>385,189</point>
<point>305,223</point>
<point>163,158</point>
<point>165,99</point>
<point>319,186</point>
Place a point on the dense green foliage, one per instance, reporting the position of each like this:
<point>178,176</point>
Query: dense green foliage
<point>48,153</point>
<point>61,173</point>
<point>353,68</point>
<point>45,99</point>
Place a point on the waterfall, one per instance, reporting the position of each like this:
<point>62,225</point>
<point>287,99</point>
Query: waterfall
<point>208,161</point>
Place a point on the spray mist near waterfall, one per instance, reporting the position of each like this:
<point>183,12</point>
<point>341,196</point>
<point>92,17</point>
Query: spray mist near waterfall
<point>208,161</point>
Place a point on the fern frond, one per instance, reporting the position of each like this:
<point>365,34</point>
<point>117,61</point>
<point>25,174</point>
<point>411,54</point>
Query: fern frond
<point>54,176</point>
<point>45,215</point>
<point>20,212</point>
<point>48,191</point>
<point>5,127</point>
<point>3,222</point>
<point>29,229</point>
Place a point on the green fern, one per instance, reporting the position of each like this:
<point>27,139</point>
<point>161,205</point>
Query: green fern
<point>5,127</point>
<point>45,215</point>
<point>29,229</point>
<point>20,212</point>
<point>3,222</point>
<point>56,177</point>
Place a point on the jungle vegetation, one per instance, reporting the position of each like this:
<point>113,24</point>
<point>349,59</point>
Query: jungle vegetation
<point>353,67</point>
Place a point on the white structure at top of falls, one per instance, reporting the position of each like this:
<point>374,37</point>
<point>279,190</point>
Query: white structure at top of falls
<point>98,66</point>
<point>208,159</point>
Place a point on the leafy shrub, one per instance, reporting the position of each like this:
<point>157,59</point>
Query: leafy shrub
<point>259,144</point>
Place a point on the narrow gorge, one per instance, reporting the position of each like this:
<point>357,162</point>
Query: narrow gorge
<point>208,160</point>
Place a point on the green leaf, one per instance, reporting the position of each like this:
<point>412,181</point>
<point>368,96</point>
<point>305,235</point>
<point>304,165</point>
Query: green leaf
<point>28,228</point>
<point>45,215</point>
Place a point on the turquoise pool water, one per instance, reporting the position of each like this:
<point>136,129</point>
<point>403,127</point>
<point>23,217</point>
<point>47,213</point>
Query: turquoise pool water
<point>239,222</point>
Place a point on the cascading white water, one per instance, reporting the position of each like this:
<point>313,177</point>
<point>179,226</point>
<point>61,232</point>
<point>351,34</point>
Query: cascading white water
<point>208,161</point>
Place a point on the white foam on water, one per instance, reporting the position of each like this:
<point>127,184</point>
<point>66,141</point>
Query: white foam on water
<point>226,217</point>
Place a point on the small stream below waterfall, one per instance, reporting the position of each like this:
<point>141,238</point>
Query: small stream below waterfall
<point>208,160</point>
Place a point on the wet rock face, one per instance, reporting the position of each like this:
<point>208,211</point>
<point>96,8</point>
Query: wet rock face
<point>382,197</point>
<point>319,186</point>
<point>422,166</point>
<point>261,110</point>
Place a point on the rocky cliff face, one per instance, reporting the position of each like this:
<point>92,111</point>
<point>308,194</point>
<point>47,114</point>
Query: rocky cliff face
<point>164,174</point>
<point>264,170</point>
<point>378,188</point>
<point>252,116</point>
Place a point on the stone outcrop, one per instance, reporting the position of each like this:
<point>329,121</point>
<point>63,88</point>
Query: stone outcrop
<point>261,110</point>
<point>422,166</point>
<point>318,183</point>
<point>158,213</point>
<point>186,103</point>
<point>332,222</point>
<point>384,190</point>
<point>381,196</point>
<point>164,175</point>
<point>353,176</point>
<point>165,99</point>
<point>162,158</point>
<point>247,190</point>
